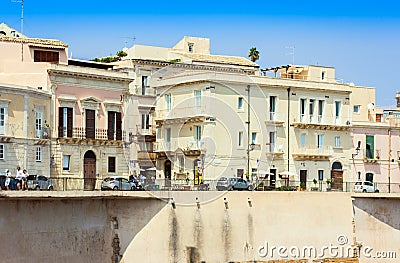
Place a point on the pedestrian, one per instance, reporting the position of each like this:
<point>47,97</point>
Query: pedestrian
<point>25,180</point>
<point>19,177</point>
<point>8,179</point>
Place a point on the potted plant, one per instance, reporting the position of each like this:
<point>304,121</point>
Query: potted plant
<point>328,182</point>
<point>315,188</point>
<point>302,186</point>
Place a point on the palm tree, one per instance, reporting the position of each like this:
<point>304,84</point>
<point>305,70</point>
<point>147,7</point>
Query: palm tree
<point>254,55</point>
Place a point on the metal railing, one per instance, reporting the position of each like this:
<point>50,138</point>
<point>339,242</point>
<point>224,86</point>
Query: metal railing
<point>91,133</point>
<point>322,120</point>
<point>280,184</point>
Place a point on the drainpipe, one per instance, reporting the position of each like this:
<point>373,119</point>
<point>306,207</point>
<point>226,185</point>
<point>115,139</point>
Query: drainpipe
<point>248,131</point>
<point>288,129</point>
<point>390,150</point>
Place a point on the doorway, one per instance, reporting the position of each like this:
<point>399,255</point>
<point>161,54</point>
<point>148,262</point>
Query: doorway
<point>89,171</point>
<point>337,176</point>
<point>272,177</point>
<point>303,179</point>
<point>167,172</point>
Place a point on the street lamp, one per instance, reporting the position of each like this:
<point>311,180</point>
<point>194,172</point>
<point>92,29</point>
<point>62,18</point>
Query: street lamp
<point>250,147</point>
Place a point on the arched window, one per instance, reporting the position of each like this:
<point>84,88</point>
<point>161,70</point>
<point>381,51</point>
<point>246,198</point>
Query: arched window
<point>336,166</point>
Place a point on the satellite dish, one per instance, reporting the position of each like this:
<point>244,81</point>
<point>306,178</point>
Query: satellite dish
<point>371,106</point>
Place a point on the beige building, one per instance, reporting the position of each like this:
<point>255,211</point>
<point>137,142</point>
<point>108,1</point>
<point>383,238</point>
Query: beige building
<point>80,104</point>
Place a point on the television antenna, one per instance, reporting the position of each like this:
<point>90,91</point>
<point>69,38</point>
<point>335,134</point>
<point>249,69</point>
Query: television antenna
<point>22,13</point>
<point>126,39</point>
<point>291,53</point>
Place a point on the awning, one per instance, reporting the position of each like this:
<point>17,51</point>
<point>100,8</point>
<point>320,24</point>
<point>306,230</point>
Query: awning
<point>287,175</point>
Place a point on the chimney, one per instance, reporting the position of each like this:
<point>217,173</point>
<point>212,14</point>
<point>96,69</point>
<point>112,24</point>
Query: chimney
<point>398,99</point>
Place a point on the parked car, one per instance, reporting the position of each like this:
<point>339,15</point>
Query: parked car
<point>225,183</point>
<point>365,187</point>
<point>39,182</point>
<point>117,183</point>
<point>242,184</point>
<point>11,186</point>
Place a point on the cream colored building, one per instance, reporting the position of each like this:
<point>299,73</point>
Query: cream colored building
<point>24,135</point>
<point>297,126</point>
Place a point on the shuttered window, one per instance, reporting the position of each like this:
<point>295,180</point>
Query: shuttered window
<point>65,122</point>
<point>46,56</point>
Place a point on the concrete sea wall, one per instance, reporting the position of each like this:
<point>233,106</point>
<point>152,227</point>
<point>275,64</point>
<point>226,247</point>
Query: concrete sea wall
<point>220,227</point>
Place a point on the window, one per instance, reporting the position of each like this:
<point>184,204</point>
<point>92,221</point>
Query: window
<point>3,119</point>
<point>254,138</point>
<point>337,141</point>
<point>240,103</point>
<point>320,141</point>
<point>168,135</point>
<point>239,173</point>
<point>240,137</point>
<point>378,117</point>
<point>369,146</point>
<point>337,110</point>
<point>369,177</point>
<point>114,126</point>
<point>272,108</point>
<point>65,122</point>
<point>145,121</point>
<point>272,139</point>
<point>320,175</point>
<point>2,152</point>
<point>359,175</point>
<point>197,133</point>
<point>168,102</point>
<point>144,84</point>
<point>190,47</point>
<point>356,109</point>
<point>38,154</point>
<point>311,110</point>
<point>66,162</point>
<point>323,75</point>
<point>303,140</point>
<point>320,110</point>
<point>197,95</point>
<point>181,160</point>
<point>111,164</point>
<point>38,123</point>
<point>46,56</point>
<point>302,110</point>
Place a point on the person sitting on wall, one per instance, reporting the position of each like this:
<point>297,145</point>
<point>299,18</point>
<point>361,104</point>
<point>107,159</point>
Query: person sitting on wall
<point>19,178</point>
<point>8,179</point>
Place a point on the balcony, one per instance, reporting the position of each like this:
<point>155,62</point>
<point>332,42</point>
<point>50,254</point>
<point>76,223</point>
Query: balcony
<point>83,135</point>
<point>145,91</point>
<point>193,148</point>
<point>43,133</point>
<point>147,156</point>
<point>145,131</point>
<point>275,118</point>
<point>184,114</point>
<point>322,122</point>
<point>317,153</point>
<point>275,151</point>
<point>370,156</point>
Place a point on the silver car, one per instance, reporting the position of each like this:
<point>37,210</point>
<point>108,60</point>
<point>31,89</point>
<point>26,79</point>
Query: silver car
<point>39,182</point>
<point>117,183</point>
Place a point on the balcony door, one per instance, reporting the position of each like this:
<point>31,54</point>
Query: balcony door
<point>90,124</point>
<point>114,131</point>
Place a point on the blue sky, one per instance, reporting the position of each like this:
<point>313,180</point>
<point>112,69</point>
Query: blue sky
<point>361,39</point>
